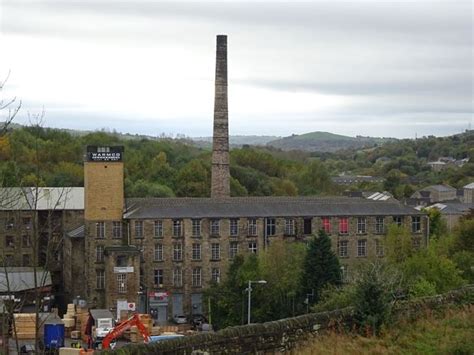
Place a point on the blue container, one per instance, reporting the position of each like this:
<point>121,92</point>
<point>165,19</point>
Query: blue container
<point>53,336</point>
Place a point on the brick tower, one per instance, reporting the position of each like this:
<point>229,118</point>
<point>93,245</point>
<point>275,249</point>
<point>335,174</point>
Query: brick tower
<point>220,175</point>
<point>103,182</point>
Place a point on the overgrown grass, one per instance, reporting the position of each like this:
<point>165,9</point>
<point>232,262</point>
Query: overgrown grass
<point>451,332</point>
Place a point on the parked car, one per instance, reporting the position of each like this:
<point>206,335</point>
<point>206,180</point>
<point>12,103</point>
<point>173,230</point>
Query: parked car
<point>180,319</point>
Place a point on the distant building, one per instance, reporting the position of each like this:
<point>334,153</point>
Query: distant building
<point>437,165</point>
<point>468,193</point>
<point>434,193</point>
<point>445,162</point>
<point>452,212</point>
<point>356,179</point>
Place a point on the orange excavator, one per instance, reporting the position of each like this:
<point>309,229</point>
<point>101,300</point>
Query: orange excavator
<point>120,328</point>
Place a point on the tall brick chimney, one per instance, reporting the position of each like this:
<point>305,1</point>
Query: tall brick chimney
<point>220,175</point>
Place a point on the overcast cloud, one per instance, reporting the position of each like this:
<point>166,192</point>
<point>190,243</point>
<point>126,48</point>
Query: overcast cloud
<point>380,68</point>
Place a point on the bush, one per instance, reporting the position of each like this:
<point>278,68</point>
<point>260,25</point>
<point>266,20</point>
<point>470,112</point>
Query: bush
<point>422,288</point>
<point>372,299</point>
<point>335,298</point>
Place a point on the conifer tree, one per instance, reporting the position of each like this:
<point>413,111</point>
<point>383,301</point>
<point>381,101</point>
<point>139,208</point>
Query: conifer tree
<point>320,268</point>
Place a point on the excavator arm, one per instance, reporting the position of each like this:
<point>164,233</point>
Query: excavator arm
<point>122,327</point>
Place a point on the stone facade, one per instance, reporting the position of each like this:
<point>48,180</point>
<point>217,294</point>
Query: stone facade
<point>20,228</point>
<point>220,175</point>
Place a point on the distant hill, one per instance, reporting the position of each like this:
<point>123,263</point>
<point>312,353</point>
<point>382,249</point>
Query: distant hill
<point>325,142</point>
<point>237,141</point>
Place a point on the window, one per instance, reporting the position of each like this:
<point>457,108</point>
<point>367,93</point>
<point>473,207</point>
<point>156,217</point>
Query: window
<point>342,248</point>
<point>26,260</point>
<point>289,226</point>
<point>326,224</point>
<point>196,227</point>
<point>234,227</point>
<point>197,277</point>
<point>25,241</point>
<point>343,225</point>
<point>215,251</point>
<point>215,227</point>
<point>9,241</point>
<point>361,225</point>
<point>158,252</point>
<point>177,228</point>
<point>158,277</point>
<point>252,228</point>
<point>100,279</point>
<point>270,225</point>
<point>196,251</point>
<point>361,248</point>
<point>177,251</point>
<point>158,229</point>
<point>9,223</point>
<point>307,226</point>
<point>100,230</point>
<point>379,250</point>
<point>398,220</point>
<point>379,225</point>
<point>216,275</point>
<point>116,229</point>
<point>178,277</point>
<point>122,283</point>
<point>233,249</point>
<point>99,253</point>
<point>138,229</point>
<point>416,224</point>
<point>27,222</point>
<point>253,247</point>
<point>121,260</point>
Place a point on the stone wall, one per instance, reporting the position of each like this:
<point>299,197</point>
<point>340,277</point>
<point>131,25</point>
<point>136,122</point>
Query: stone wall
<point>283,335</point>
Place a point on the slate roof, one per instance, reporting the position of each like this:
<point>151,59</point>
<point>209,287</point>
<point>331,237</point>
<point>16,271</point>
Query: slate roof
<point>78,232</point>
<point>440,188</point>
<point>41,199</point>
<point>149,208</point>
<point>453,208</point>
<point>22,279</point>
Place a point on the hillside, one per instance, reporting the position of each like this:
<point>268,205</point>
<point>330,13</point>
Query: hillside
<point>236,141</point>
<point>325,142</point>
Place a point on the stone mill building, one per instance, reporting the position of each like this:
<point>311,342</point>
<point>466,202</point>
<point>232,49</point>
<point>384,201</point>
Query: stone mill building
<point>161,253</point>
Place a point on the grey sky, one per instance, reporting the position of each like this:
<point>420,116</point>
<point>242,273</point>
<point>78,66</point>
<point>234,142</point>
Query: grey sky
<point>352,67</point>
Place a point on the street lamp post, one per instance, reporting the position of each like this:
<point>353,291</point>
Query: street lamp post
<point>249,289</point>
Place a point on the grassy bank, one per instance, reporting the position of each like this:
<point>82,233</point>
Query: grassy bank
<point>449,333</point>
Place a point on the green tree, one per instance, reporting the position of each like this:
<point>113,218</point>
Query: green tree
<point>398,244</point>
<point>281,266</point>
<point>193,180</point>
<point>438,225</point>
<point>372,299</point>
<point>314,179</point>
<point>464,235</point>
<point>433,267</point>
<point>321,267</point>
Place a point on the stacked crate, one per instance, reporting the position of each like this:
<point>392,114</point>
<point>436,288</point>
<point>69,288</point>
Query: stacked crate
<point>69,320</point>
<point>82,316</point>
<point>135,337</point>
<point>25,325</point>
